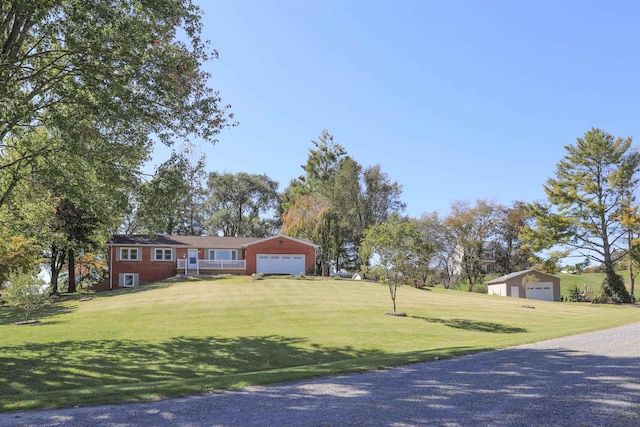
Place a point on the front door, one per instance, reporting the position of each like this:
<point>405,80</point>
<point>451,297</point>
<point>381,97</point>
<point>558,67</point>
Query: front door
<point>192,261</point>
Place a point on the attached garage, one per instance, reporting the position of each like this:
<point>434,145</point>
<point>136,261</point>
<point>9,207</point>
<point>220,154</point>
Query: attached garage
<point>281,255</point>
<point>529,284</point>
<point>280,264</point>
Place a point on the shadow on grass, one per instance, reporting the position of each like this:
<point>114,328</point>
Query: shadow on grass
<point>9,315</point>
<point>166,283</point>
<point>471,325</point>
<point>136,289</point>
<point>30,371</point>
<point>533,386</point>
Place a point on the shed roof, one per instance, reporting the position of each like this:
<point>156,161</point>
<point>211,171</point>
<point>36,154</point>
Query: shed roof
<point>517,274</point>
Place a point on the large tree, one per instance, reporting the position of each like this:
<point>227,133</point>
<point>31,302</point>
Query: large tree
<point>121,73</point>
<point>434,230</point>
<point>172,201</point>
<point>352,199</point>
<point>511,220</point>
<point>472,227</point>
<point>241,205</point>
<point>585,206</point>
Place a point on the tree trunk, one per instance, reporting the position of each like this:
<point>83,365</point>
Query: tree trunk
<point>393,287</point>
<point>72,271</point>
<point>56,262</point>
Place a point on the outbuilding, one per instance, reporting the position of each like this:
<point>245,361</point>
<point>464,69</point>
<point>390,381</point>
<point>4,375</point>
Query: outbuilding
<point>529,284</point>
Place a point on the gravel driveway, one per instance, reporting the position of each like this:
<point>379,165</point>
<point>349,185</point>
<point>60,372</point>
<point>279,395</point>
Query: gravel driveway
<point>585,380</point>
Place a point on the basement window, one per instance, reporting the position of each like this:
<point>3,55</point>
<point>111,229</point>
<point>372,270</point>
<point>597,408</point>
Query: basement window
<point>129,280</point>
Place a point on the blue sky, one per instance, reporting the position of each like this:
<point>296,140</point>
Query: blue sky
<point>456,100</point>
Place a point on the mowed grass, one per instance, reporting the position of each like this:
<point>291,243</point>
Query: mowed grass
<point>593,282</point>
<point>197,336</point>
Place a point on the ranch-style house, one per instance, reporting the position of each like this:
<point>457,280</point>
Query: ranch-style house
<point>138,259</point>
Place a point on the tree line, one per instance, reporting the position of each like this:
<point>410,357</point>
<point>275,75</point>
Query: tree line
<point>86,91</point>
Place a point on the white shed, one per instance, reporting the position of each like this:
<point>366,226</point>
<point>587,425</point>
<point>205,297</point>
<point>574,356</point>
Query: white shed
<point>543,286</point>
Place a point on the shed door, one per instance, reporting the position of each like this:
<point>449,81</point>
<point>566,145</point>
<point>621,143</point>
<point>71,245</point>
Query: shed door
<point>283,264</point>
<point>515,291</point>
<point>541,291</point>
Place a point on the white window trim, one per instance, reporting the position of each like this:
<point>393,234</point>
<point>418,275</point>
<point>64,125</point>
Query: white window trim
<point>212,251</point>
<point>138,254</point>
<point>155,258</point>
<point>134,279</point>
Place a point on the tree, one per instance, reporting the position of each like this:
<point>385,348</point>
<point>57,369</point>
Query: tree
<point>307,208</point>
<point>585,200</point>
<point>26,292</point>
<point>77,228</point>
<point>352,199</point>
<point>17,252</point>
<point>629,215</point>
<point>121,75</point>
<point>515,255</point>
<point>310,216</point>
<point>471,227</point>
<point>172,201</point>
<point>240,204</point>
<point>399,252</point>
<point>434,230</point>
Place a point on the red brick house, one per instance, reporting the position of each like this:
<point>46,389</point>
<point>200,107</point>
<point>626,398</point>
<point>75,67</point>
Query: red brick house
<point>139,259</point>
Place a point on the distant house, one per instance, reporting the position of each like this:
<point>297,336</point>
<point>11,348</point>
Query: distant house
<point>546,288</point>
<point>488,260</point>
<point>139,259</point>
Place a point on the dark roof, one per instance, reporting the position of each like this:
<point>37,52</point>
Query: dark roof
<point>198,241</point>
<point>515,274</point>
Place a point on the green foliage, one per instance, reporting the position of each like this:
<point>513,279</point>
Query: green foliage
<point>398,251</point>
<point>335,202</point>
<point>614,288</point>
<point>586,199</point>
<point>470,227</point>
<point>95,83</point>
<point>25,291</point>
<point>601,299</point>
<point>575,294</point>
<point>17,253</point>
<point>240,204</point>
<point>481,288</point>
<point>172,201</point>
<point>257,276</point>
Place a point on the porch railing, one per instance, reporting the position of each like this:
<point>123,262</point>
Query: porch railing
<point>210,264</point>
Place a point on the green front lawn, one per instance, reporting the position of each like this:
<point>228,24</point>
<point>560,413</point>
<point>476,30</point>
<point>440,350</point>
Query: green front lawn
<point>189,337</point>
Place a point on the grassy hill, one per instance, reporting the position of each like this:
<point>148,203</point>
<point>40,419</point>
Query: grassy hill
<point>592,280</point>
<point>194,336</point>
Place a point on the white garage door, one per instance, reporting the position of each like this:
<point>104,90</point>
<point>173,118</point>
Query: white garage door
<point>281,264</point>
<point>541,291</point>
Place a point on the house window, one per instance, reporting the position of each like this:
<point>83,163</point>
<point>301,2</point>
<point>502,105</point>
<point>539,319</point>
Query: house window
<point>223,254</point>
<point>162,254</point>
<point>129,280</point>
<point>129,254</point>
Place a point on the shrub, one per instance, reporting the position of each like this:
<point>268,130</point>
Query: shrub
<point>574,294</point>
<point>481,288</point>
<point>613,287</point>
<point>600,299</point>
<point>26,292</point>
<point>257,276</point>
